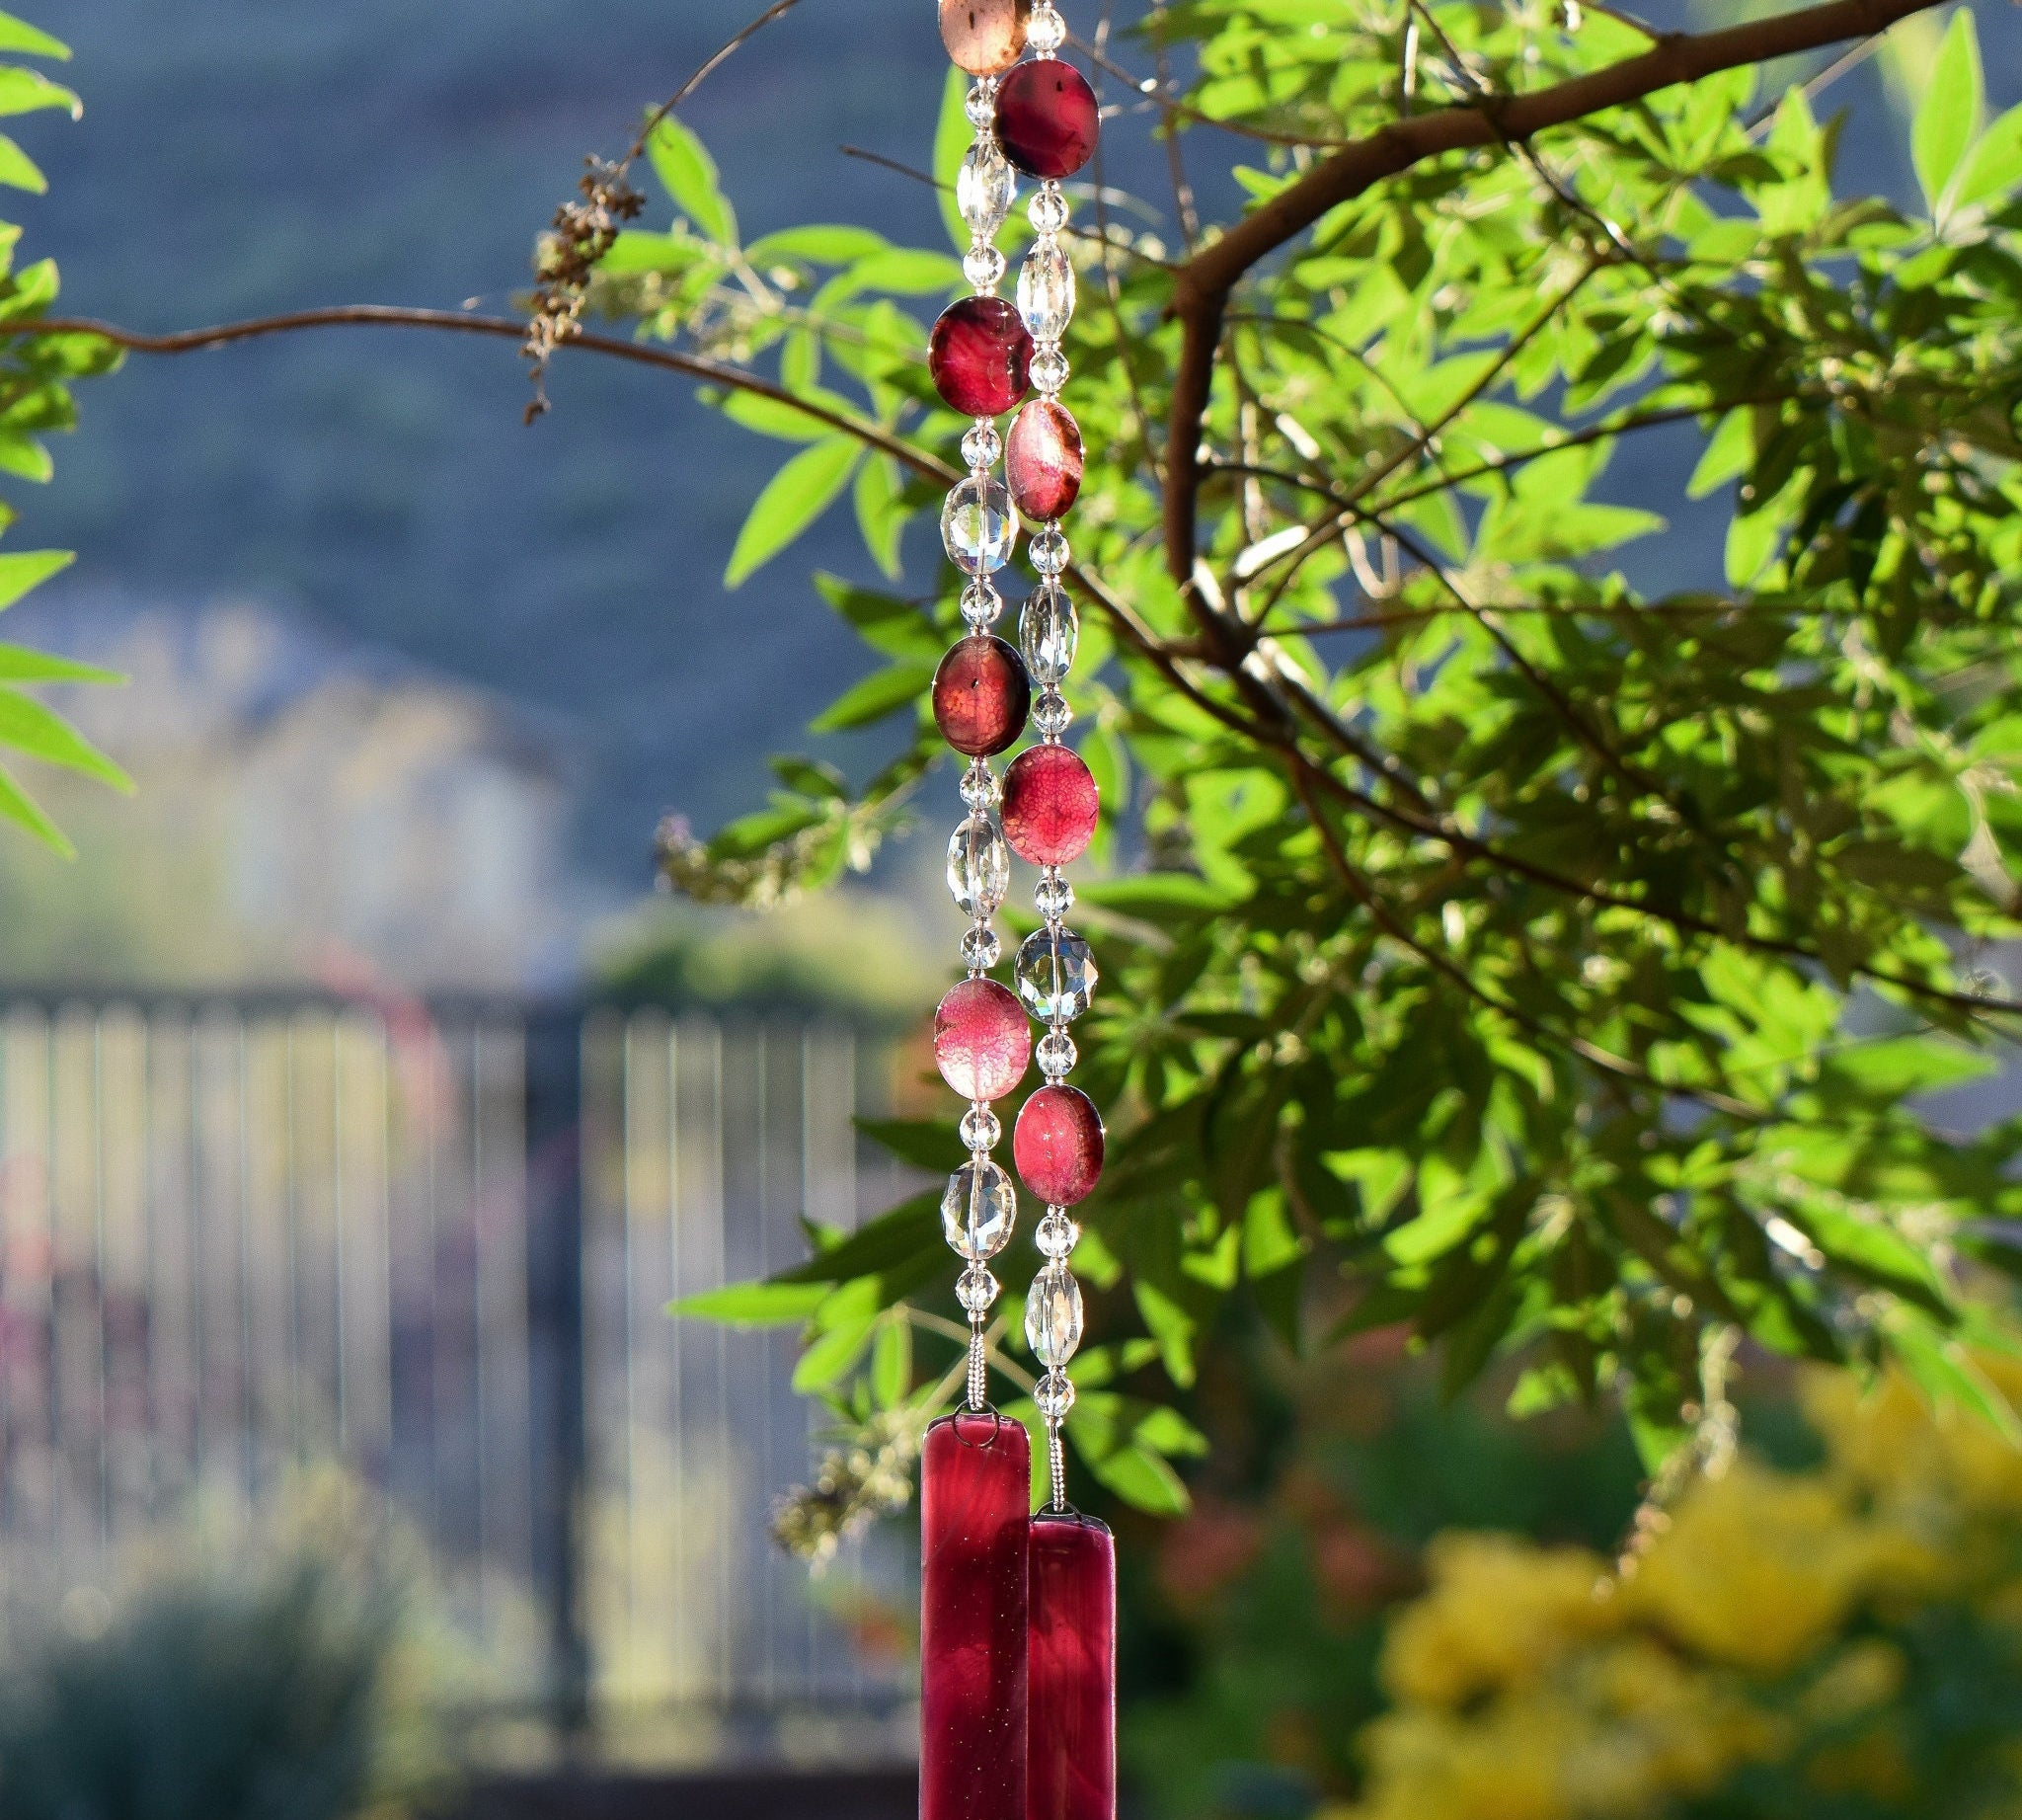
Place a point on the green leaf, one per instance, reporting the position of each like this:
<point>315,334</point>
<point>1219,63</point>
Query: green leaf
<point>19,807</point>
<point>21,571</point>
<point>753,1305</point>
<point>19,35</point>
<point>42,733</point>
<point>17,664</point>
<point>793,500</point>
<point>891,1363</point>
<point>880,499</point>
<point>1996,166</point>
<point>1949,114</point>
<point>28,90</point>
<point>952,135</point>
<point>1142,1480</point>
<point>688,174</point>
<point>18,171</point>
<point>880,695</point>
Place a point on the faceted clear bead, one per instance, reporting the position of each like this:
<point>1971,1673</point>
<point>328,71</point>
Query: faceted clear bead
<point>981,447</point>
<point>1052,715</point>
<point>1056,1056</point>
<point>978,1211</point>
<point>1048,371</point>
<point>1047,31</point>
<point>976,1288</point>
<point>984,267</point>
<point>1050,552</point>
<point>1055,973</point>
<point>1058,1234</point>
<point>1055,1395</point>
<point>981,105</point>
<point>982,788</point>
<point>981,950</point>
<point>1049,633</point>
<point>1046,291</point>
<point>981,604</point>
<point>1048,210</point>
<point>980,1129</point>
<point>985,189</point>
<point>978,868</point>
<point>978,526</point>
<point>1054,1316</point>
<point>1054,897</point>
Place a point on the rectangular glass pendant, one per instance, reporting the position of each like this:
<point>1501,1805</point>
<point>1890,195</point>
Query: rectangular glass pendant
<point>1071,1766</point>
<point>975,1493</point>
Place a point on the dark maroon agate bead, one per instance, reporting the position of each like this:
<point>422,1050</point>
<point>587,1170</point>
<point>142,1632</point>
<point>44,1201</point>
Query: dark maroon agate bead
<point>1048,119</point>
<point>982,1040</point>
<point>1050,806</point>
<point>981,696</point>
<point>981,356</point>
<point>975,1490</point>
<point>1072,1761</point>
<point>1059,1144</point>
<point>1043,460</point>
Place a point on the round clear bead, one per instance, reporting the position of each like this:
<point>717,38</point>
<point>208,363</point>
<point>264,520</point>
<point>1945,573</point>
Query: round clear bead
<point>981,950</point>
<point>1055,1395</point>
<point>1050,551</point>
<point>984,189</point>
<point>981,447</point>
<point>1054,897</point>
<point>978,526</point>
<point>982,788</point>
<point>976,1288</point>
<point>1056,1056</point>
<point>1048,210</point>
<point>1055,973</point>
<point>978,1211</point>
<point>984,267</point>
<point>1049,633</point>
<point>1047,31</point>
<point>981,1130</point>
<point>1052,715</point>
<point>981,105</point>
<point>1058,1234</point>
<point>1046,291</point>
<point>978,867</point>
<point>1048,371</point>
<point>981,604</point>
<point>1054,1316</point>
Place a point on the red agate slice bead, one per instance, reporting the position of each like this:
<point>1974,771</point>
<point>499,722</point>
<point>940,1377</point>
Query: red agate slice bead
<point>1048,120</point>
<point>1059,1145</point>
<point>982,1040</point>
<point>1050,806</point>
<point>975,1490</point>
<point>1072,1762</point>
<point>981,356</point>
<point>1043,460</point>
<point>984,37</point>
<point>981,696</point>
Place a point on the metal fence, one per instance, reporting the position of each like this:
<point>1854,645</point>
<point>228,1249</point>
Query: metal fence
<point>435,1245</point>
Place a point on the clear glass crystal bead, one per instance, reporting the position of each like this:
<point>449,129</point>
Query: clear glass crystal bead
<point>978,526</point>
<point>1047,31</point>
<point>1055,973</point>
<point>1049,633</point>
<point>1056,1056</point>
<point>981,950</point>
<point>981,605</point>
<point>978,867</point>
<point>1050,551</point>
<point>981,105</point>
<point>976,1288</point>
<point>1048,371</point>
<point>1051,715</point>
<point>981,447</point>
<point>985,189</point>
<point>978,1211</point>
<point>983,268</point>
<point>1054,897</point>
<point>1054,1316</point>
<point>1055,1395</point>
<point>980,1129</point>
<point>1048,210</point>
<point>1058,1234</point>
<point>1046,291</point>
<point>982,788</point>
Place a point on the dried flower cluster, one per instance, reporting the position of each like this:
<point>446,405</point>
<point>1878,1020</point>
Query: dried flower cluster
<point>582,233</point>
<point>868,1476</point>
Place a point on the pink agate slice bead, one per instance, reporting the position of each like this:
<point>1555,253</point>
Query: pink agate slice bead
<point>981,696</point>
<point>981,356</point>
<point>982,1040</point>
<point>975,1490</point>
<point>1048,120</point>
<point>1050,806</point>
<point>1059,1144</point>
<point>1044,460</point>
<point>1071,1763</point>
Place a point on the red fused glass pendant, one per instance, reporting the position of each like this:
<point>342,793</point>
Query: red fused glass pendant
<point>982,1040</point>
<point>1050,806</point>
<point>1043,460</point>
<point>981,356</point>
<point>1059,1144</point>
<point>981,696</point>
<point>1072,1759</point>
<point>976,1488</point>
<point>1048,119</point>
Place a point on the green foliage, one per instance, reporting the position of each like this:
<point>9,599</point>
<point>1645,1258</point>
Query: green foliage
<point>1565,962</point>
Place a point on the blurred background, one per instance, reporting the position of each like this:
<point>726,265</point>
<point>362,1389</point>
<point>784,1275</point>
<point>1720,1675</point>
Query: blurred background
<point>361,1107</point>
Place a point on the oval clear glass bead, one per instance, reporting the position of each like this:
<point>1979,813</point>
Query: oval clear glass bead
<point>1055,973</point>
<point>1054,1316</point>
<point>1048,634</point>
<point>986,187</point>
<point>978,1211</point>
<point>978,868</point>
<point>979,526</point>
<point>1046,291</point>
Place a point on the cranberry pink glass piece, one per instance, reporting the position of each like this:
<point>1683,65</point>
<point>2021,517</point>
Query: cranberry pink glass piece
<point>981,696</point>
<point>1043,460</point>
<point>1048,119</point>
<point>981,356</point>
<point>1072,1759</point>
<point>975,1484</point>
<point>984,37</point>
<point>1058,1145</point>
<point>1050,806</point>
<point>982,1041</point>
